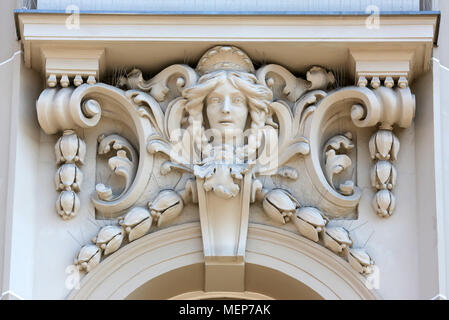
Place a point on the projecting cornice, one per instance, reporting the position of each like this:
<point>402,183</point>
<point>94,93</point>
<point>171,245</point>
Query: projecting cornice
<point>296,41</point>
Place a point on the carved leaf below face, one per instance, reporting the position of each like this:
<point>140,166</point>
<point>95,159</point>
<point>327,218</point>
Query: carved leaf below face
<point>219,178</point>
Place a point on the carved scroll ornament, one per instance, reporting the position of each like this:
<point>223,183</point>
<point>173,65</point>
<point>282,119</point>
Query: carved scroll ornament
<point>230,130</point>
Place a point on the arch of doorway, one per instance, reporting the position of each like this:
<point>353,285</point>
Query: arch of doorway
<point>170,264</point>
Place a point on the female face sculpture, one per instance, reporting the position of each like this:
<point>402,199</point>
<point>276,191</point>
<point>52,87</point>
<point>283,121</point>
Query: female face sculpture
<point>228,96</point>
<point>226,109</point>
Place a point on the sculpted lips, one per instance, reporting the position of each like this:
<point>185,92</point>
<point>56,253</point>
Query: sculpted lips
<point>226,121</point>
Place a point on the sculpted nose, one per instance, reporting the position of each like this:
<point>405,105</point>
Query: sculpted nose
<point>226,107</point>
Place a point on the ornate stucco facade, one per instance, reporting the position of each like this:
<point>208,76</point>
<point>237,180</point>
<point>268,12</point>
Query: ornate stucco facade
<point>256,155</point>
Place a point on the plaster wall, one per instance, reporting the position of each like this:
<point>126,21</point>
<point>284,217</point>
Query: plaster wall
<point>23,186</point>
<point>19,87</point>
<point>440,102</point>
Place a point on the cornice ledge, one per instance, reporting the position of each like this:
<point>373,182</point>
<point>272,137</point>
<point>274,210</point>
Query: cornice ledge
<point>414,33</point>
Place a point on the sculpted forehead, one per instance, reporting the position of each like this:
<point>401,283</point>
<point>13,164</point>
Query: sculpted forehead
<point>225,88</point>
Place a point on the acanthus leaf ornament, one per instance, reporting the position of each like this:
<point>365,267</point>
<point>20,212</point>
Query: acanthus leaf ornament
<point>158,86</point>
<point>317,78</point>
<point>124,163</point>
<point>337,161</point>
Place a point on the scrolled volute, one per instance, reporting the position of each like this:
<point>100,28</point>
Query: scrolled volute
<point>394,106</point>
<point>292,87</point>
<point>158,85</point>
<point>66,108</point>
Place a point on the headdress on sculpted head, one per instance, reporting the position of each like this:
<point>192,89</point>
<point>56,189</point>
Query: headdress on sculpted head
<point>224,58</point>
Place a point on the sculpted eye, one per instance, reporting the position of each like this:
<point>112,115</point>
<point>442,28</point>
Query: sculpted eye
<point>238,100</point>
<point>214,99</point>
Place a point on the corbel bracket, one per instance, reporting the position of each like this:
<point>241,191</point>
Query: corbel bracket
<point>64,66</point>
<point>382,65</point>
<point>388,73</point>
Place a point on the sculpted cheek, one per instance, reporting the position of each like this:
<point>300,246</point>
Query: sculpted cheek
<point>241,113</point>
<point>211,111</point>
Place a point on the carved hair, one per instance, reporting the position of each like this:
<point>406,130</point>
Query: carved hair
<point>258,96</point>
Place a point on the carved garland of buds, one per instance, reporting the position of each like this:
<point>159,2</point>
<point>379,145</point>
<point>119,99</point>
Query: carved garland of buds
<point>384,148</point>
<point>282,207</point>
<point>137,222</point>
<point>70,152</point>
<point>278,204</point>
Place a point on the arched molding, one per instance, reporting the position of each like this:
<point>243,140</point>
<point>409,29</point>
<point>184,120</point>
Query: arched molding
<point>180,246</point>
<point>201,295</point>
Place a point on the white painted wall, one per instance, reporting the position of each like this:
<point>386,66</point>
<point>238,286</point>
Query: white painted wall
<point>231,5</point>
<point>19,132</point>
<point>440,103</point>
<point>426,197</point>
<point>22,206</point>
